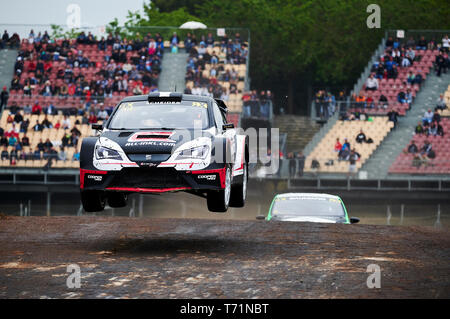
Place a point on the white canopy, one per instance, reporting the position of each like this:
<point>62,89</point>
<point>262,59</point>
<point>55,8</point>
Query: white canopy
<point>193,25</point>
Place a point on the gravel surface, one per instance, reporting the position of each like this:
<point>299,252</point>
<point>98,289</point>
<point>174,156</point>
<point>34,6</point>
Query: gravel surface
<point>123,257</point>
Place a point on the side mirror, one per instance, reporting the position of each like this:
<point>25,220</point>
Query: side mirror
<point>96,126</point>
<point>354,220</point>
<point>260,217</point>
<point>227,126</point>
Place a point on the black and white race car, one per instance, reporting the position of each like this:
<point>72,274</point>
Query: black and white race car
<point>165,142</point>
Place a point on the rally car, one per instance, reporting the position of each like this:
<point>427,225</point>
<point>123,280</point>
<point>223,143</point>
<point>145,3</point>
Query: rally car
<point>165,142</point>
<point>309,207</point>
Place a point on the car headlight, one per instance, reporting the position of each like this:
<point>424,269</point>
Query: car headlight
<point>106,153</point>
<point>199,152</point>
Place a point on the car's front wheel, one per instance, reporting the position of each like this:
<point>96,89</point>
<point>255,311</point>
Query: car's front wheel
<point>218,201</point>
<point>93,201</point>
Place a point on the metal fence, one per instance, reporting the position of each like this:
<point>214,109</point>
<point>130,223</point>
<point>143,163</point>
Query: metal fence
<point>258,110</point>
<point>402,36</point>
<point>324,110</point>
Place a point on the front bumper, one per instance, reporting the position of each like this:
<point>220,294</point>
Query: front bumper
<point>152,180</point>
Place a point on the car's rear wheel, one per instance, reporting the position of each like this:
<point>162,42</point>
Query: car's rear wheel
<point>93,201</point>
<point>218,201</point>
<point>117,200</point>
<point>239,191</point>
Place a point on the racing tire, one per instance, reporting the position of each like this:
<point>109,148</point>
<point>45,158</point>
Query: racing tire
<point>117,200</point>
<point>218,201</point>
<point>239,191</point>
<point>93,201</point>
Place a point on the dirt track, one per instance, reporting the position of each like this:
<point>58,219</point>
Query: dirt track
<point>188,258</point>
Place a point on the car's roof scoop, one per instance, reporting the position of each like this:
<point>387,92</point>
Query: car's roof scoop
<point>165,97</point>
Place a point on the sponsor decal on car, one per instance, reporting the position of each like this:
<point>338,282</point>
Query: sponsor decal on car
<point>97,178</point>
<point>171,143</point>
<point>207,177</point>
<point>148,164</point>
<point>200,104</point>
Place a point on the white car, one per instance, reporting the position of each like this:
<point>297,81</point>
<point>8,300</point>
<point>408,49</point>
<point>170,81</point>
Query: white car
<point>309,207</point>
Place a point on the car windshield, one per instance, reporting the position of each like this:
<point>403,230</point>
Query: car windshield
<point>171,115</point>
<point>302,206</point>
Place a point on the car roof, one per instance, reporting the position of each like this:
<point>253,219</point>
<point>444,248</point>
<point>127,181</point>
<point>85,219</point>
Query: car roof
<point>188,97</point>
<point>316,195</point>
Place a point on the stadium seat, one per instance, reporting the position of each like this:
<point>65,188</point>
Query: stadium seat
<point>324,151</point>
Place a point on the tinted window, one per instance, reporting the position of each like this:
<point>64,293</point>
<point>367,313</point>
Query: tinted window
<point>307,206</point>
<point>145,115</point>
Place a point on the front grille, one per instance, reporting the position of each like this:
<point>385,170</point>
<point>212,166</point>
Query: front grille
<point>148,178</point>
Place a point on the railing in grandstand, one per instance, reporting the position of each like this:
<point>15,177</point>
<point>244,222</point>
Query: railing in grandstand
<point>358,85</point>
<point>130,32</point>
<point>324,110</point>
<point>396,183</point>
<point>68,101</point>
<point>258,110</point>
<point>71,104</point>
<point>417,165</point>
<point>429,35</point>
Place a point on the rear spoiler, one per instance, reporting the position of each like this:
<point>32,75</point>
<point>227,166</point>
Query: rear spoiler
<point>167,97</point>
<point>221,105</point>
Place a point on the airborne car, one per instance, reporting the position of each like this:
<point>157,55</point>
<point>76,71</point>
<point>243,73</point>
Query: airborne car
<point>165,142</point>
<point>309,207</point>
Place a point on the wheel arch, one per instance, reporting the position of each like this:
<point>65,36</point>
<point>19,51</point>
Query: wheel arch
<point>87,153</point>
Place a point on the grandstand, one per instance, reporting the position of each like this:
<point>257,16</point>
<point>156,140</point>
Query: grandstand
<point>324,152</point>
<point>80,77</point>
<point>82,67</point>
<point>407,163</point>
<point>100,76</point>
<point>391,87</point>
<point>367,103</point>
<point>224,79</point>
<point>26,157</point>
<point>75,77</point>
<point>417,163</point>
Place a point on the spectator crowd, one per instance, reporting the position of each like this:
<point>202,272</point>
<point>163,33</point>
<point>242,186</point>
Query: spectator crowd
<point>257,105</point>
<point>206,72</point>
<point>326,104</point>
<point>86,68</point>
<point>7,41</point>
<point>20,148</point>
<point>395,67</point>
